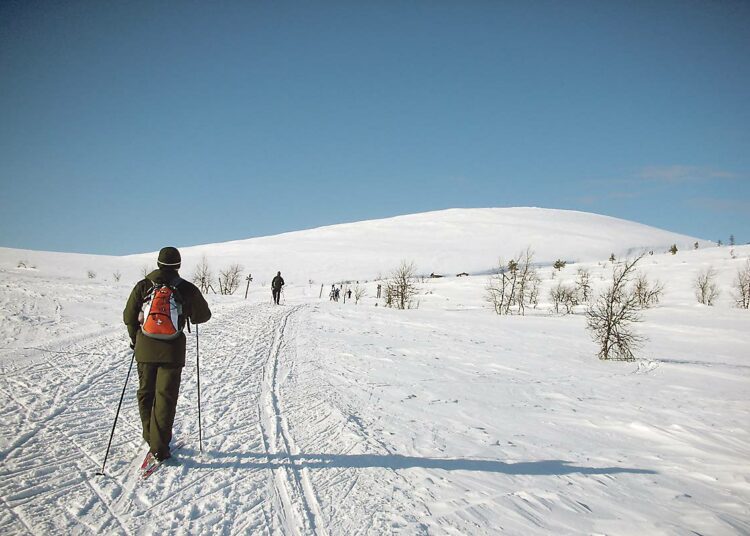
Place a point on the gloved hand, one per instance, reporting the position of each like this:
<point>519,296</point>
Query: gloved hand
<point>132,345</point>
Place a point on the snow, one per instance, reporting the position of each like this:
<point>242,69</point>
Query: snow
<point>333,418</point>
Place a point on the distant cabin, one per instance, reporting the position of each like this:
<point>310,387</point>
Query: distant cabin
<point>434,275</point>
<point>462,274</point>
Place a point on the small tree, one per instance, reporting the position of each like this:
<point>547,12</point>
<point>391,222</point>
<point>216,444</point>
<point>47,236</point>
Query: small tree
<point>559,264</point>
<point>534,282</point>
<point>229,279</point>
<point>564,296</point>
<point>646,293</point>
<point>731,240</point>
<point>514,284</point>
<point>401,287</point>
<point>611,316</point>
<point>359,293</point>
<point>117,275</point>
<point>673,249</point>
<point>91,274</point>
<point>612,258</point>
<point>203,277</point>
<point>706,289</point>
<point>583,285</point>
<point>742,287</point>
<point>145,270</point>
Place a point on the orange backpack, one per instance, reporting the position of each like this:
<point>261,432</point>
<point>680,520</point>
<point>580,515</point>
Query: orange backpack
<point>162,312</point>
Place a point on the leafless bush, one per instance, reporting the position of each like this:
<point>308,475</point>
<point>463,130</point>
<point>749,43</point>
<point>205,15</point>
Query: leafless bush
<point>91,274</point>
<point>117,275</point>
<point>359,293</point>
<point>564,296</point>
<point>515,284</point>
<point>742,287</point>
<point>646,293</point>
<point>145,270</point>
<point>611,316</point>
<point>534,282</point>
<point>229,279</point>
<point>203,277</point>
<point>583,285</point>
<point>706,289</point>
<point>400,288</point>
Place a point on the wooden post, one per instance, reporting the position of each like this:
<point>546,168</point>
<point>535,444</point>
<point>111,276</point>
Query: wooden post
<point>248,279</point>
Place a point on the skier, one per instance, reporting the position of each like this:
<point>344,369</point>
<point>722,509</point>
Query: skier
<point>276,285</point>
<point>159,344</point>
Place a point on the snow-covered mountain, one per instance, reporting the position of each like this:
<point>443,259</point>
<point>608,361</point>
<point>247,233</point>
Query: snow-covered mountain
<point>446,242</point>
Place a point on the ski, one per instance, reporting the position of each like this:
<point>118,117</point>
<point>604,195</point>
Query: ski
<point>151,464</point>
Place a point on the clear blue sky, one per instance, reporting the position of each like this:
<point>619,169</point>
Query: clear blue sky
<point>128,125</point>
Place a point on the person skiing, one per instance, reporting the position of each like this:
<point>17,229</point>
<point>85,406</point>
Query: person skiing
<point>156,303</point>
<point>276,285</point>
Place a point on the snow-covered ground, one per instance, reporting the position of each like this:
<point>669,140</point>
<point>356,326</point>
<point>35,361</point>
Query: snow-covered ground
<point>344,418</point>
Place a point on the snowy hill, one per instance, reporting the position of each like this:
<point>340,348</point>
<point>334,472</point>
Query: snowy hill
<point>447,241</point>
<point>330,418</point>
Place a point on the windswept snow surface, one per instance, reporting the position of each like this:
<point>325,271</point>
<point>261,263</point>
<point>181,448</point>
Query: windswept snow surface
<point>344,418</point>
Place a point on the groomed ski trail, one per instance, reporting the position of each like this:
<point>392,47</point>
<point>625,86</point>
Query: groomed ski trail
<point>293,490</point>
<point>59,403</point>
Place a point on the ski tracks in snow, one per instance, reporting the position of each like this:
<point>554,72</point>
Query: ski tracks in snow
<point>57,411</point>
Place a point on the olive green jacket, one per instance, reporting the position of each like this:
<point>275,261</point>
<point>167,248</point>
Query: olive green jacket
<point>194,307</point>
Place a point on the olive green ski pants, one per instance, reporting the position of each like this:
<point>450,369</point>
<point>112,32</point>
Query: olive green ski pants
<point>159,385</point>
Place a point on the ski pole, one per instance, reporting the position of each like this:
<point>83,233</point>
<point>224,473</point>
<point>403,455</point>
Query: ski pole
<point>111,435</point>
<point>198,374</point>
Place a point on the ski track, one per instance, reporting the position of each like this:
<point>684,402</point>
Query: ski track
<point>66,395</point>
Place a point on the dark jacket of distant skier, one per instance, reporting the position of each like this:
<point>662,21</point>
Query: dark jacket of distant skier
<point>276,285</point>
<point>160,362</point>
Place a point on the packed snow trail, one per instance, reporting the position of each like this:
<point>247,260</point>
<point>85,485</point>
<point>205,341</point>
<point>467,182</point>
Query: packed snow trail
<point>65,397</point>
<point>58,408</point>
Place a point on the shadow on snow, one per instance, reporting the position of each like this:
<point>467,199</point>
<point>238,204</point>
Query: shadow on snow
<point>229,460</point>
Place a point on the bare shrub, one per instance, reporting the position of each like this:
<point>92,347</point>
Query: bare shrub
<point>145,270</point>
<point>611,316</point>
<point>91,274</point>
<point>742,287</point>
<point>116,275</point>
<point>203,277</point>
<point>647,294</point>
<point>229,279</point>
<point>359,293</point>
<point>705,286</point>
<point>515,284</point>
<point>563,296</point>
<point>400,288</point>
<point>583,285</point>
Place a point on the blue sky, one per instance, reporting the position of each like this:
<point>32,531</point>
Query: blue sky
<point>125,126</point>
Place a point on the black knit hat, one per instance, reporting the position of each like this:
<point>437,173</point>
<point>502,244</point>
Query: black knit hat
<point>169,257</point>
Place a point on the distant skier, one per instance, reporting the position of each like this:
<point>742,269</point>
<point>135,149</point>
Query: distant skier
<point>156,313</point>
<point>378,296</point>
<point>349,294</point>
<point>276,285</point>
